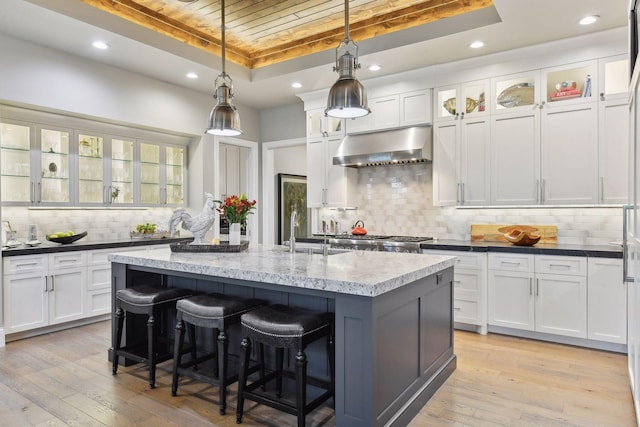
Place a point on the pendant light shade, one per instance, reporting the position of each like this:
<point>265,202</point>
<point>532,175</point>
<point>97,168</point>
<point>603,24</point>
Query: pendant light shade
<point>347,97</point>
<point>224,119</point>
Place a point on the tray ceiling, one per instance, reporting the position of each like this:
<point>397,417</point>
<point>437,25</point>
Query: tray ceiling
<point>262,33</point>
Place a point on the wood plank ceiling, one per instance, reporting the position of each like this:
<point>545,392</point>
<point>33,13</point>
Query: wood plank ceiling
<point>264,32</point>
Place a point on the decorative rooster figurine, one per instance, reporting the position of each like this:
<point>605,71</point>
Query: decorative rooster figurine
<point>199,224</point>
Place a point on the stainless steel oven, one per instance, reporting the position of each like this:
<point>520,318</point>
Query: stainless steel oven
<point>403,244</point>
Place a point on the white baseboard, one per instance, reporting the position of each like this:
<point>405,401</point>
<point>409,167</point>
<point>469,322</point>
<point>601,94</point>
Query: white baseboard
<point>2,341</point>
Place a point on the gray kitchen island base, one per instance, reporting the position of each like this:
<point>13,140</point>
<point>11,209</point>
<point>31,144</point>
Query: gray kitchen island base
<point>392,350</point>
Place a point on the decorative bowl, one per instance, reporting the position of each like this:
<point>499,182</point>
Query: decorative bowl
<point>450,105</point>
<point>522,238</point>
<point>67,239</point>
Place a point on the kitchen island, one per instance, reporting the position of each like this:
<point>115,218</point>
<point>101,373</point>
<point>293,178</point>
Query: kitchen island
<point>393,315</point>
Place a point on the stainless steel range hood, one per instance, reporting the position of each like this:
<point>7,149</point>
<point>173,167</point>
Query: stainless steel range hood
<point>398,146</point>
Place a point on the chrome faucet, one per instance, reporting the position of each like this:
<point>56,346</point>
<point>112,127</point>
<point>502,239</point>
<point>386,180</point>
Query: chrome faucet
<point>292,227</point>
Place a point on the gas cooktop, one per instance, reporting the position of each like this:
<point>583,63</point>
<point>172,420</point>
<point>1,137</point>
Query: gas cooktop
<point>382,237</point>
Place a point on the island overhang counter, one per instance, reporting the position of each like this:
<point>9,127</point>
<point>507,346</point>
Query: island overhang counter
<point>393,314</point>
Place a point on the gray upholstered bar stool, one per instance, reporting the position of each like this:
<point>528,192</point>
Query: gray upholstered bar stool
<point>152,301</point>
<point>212,311</point>
<point>287,327</point>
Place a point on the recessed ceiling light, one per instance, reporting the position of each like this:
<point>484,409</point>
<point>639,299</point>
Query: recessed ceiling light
<point>476,45</point>
<point>588,20</point>
<point>100,45</point>
<point>296,85</point>
<point>192,75</point>
<point>374,67</point>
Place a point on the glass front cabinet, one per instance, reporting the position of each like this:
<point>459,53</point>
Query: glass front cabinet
<point>51,166</point>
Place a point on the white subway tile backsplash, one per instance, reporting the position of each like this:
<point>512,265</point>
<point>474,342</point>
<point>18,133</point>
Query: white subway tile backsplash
<point>398,200</point>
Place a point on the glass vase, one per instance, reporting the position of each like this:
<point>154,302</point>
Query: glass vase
<point>234,233</point>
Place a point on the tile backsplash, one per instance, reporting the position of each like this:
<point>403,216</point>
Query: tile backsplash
<point>399,200</point>
<point>99,223</point>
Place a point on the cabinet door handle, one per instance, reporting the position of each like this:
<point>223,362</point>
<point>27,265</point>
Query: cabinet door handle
<point>601,189</point>
<point>625,248</point>
<point>462,193</point>
<point>26,264</point>
<point>601,96</point>
<point>51,283</point>
<point>33,192</point>
<point>530,286</point>
<point>458,194</point>
<point>510,262</point>
<point>537,191</point>
<point>542,105</point>
<point>44,282</point>
<point>39,193</point>
<point>563,266</point>
<point>542,190</point>
<point>537,287</point>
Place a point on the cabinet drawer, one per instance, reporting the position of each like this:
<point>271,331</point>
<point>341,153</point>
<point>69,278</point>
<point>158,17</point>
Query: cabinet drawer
<point>67,260</point>
<point>575,266</point>
<point>511,262</point>
<point>465,311</point>
<point>25,264</point>
<point>466,281</point>
<point>465,259</point>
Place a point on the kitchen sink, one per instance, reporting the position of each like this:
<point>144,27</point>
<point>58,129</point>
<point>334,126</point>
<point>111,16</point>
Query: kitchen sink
<point>316,251</point>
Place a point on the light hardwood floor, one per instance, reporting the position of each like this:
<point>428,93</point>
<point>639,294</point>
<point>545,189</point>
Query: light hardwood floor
<point>64,379</point>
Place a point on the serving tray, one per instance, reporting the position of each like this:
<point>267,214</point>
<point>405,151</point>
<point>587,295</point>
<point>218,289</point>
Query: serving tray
<point>222,247</point>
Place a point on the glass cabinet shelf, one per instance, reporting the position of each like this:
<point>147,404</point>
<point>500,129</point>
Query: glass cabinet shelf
<point>24,150</point>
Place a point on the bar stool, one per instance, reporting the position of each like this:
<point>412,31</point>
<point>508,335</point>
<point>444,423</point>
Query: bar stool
<point>212,311</point>
<point>152,301</point>
<point>283,327</point>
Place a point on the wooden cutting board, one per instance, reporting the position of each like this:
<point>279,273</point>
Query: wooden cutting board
<point>495,232</point>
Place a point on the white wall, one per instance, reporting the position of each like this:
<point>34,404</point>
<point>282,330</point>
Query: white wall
<point>52,79</point>
<point>291,160</point>
<point>287,122</point>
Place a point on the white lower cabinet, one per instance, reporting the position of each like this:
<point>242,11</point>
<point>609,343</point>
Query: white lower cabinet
<point>539,293</point>
<point>469,288</point>
<point>52,289</point>
<point>42,290</point>
<point>607,308</point>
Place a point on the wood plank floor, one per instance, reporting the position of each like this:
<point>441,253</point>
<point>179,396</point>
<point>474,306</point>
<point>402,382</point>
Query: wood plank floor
<point>64,379</point>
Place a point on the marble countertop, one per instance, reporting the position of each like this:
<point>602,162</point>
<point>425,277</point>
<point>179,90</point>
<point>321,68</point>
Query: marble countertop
<point>352,272</point>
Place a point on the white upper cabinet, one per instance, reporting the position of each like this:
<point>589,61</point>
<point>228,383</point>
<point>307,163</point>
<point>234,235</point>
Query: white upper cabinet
<point>394,111</point>
<point>445,163</point>
<point>569,154</point>
<point>48,165</point>
<point>328,185</point>
<point>613,130</point>
<point>474,175</point>
<point>570,84</point>
<point>515,157</point>
<point>319,125</point>
<point>471,95</point>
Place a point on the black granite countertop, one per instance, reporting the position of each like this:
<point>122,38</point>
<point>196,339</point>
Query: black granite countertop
<point>596,251</point>
<point>87,244</point>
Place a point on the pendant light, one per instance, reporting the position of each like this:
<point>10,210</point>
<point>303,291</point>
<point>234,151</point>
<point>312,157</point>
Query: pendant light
<point>347,97</point>
<point>224,118</point>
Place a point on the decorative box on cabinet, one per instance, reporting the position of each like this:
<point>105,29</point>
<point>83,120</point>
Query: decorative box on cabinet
<point>607,296</point>
<point>539,293</point>
<point>469,289</point>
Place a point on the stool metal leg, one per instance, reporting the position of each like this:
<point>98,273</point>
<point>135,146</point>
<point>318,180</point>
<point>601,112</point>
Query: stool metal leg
<point>301,389</point>
<point>245,353</point>
<point>151,350</point>
<point>177,354</point>
<point>117,338</point>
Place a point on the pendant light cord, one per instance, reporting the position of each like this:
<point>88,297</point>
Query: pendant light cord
<point>346,21</point>
<point>223,28</point>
